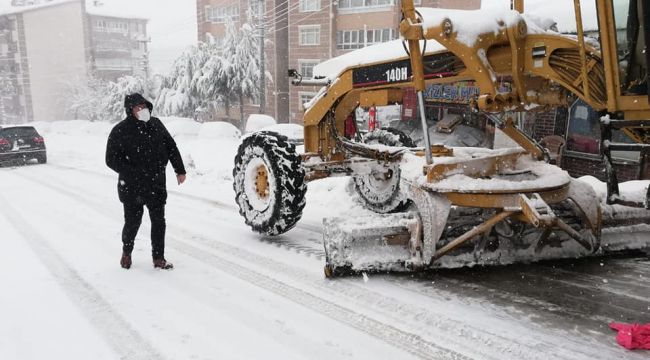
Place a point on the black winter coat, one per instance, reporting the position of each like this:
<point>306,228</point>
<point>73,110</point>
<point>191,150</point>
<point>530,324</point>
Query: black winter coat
<point>139,152</point>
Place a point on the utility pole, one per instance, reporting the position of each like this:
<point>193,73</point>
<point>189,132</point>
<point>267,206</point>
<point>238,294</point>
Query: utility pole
<point>281,32</point>
<point>260,18</point>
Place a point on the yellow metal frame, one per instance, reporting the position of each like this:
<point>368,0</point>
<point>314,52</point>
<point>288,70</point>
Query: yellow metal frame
<point>567,62</point>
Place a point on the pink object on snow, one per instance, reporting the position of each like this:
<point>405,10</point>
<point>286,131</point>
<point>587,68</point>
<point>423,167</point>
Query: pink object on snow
<point>632,336</point>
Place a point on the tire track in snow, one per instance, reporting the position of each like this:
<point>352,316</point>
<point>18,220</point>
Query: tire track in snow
<point>450,330</point>
<point>459,282</point>
<point>118,333</point>
<point>283,241</point>
<point>406,341</point>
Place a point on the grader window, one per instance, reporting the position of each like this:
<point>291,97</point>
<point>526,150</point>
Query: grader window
<point>628,16</point>
<point>583,133</point>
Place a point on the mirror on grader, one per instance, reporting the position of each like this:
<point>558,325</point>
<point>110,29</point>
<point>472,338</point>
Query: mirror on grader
<point>438,206</point>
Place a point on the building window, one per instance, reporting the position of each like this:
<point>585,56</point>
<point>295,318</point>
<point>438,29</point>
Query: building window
<point>307,68</point>
<point>112,45</point>
<point>219,15</point>
<point>305,97</point>
<point>101,26</point>
<point>258,8</point>
<point>356,39</point>
<point>111,26</point>
<point>309,34</point>
<point>364,4</point>
<point>113,64</point>
<point>583,133</point>
<point>349,39</point>
<point>379,35</point>
<point>309,5</point>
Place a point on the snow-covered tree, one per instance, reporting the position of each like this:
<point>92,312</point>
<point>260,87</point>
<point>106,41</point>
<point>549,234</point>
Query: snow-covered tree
<point>190,86</point>
<point>116,91</point>
<point>100,100</point>
<point>242,68</point>
<point>210,75</point>
<point>85,98</point>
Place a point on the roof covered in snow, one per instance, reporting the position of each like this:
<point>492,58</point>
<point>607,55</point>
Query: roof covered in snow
<point>386,51</point>
<point>104,8</point>
<point>7,9</point>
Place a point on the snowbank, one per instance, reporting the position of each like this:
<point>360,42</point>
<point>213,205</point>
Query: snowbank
<point>78,127</point>
<point>40,126</point>
<point>256,122</point>
<point>218,130</point>
<point>167,119</point>
<point>631,191</point>
<point>294,132</point>
<point>211,157</point>
<point>183,127</point>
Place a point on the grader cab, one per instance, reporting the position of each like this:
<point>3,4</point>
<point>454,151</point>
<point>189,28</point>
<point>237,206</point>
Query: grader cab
<point>446,207</point>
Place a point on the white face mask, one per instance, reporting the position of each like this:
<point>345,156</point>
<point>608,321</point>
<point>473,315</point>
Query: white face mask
<point>143,115</point>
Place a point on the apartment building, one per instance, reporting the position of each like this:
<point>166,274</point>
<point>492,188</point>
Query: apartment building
<point>118,44</point>
<point>47,44</point>
<point>322,29</point>
<point>302,33</point>
<point>37,62</point>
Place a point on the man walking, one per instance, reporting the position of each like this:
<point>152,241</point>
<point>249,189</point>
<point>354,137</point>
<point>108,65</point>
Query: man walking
<point>138,149</point>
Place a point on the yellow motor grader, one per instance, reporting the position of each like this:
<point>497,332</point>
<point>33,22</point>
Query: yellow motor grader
<point>439,206</point>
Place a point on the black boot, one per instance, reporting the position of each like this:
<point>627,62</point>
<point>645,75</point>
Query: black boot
<point>162,264</point>
<point>125,261</point>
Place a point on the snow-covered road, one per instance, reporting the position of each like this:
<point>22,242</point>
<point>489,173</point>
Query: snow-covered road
<point>236,295</point>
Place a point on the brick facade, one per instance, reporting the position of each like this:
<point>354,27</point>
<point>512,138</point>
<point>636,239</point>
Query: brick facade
<point>285,51</point>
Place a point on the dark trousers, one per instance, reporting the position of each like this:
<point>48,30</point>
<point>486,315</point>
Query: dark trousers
<point>132,220</point>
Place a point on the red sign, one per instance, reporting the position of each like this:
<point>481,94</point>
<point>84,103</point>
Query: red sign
<point>409,104</point>
<point>372,118</point>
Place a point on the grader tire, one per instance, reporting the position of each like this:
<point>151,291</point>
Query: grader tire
<point>269,183</point>
<point>383,195</point>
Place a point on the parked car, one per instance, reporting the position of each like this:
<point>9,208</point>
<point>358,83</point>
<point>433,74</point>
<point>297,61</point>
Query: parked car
<point>21,143</point>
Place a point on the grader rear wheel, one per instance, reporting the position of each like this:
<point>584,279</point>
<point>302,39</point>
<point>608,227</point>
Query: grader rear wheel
<point>381,193</point>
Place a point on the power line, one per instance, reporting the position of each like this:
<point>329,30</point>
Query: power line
<point>300,20</point>
<point>285,12</point>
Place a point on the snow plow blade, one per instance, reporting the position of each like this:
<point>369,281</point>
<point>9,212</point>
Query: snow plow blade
<point>468,237</point>
<point>363,244</point>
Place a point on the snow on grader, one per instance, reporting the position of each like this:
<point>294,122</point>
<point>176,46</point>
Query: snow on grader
<point>449,207</point>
